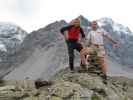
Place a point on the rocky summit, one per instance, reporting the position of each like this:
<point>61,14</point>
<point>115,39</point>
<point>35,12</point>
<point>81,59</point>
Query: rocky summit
<point>69,86</point>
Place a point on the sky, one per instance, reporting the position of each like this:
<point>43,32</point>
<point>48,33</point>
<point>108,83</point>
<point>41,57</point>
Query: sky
<point>34,14</point>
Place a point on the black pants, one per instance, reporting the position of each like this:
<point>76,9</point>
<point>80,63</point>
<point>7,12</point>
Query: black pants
<point>73,45</point>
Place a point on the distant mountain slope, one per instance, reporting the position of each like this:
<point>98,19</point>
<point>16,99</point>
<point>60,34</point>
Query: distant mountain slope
<point>11,38</point>
<point>43,51</point>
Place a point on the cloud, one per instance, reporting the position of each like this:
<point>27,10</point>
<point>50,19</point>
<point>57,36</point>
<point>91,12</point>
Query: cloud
<point>34,14</point>
<point>26,7</point>
<point>23,8</point>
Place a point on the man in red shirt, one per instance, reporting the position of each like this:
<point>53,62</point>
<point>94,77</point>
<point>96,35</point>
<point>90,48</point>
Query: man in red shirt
<point>72,34</point>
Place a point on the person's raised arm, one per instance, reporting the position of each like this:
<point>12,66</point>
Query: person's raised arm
<point>109,37</point>
<point>64,31</point>
<point>88,40</point>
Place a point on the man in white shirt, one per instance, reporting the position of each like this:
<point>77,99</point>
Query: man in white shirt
<point>95,43</point>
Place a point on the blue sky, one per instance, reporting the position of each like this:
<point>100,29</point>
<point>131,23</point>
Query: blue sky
<point>34,14</point>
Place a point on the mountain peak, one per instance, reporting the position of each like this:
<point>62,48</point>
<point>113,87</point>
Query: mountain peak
<point>105,21</point>
<point>10,35</point>
<point>119,28</point>
<point>84,21</point>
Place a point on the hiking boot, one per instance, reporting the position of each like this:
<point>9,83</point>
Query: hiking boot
<point>72,71</point>
<point>105,82</point>
<point>105,78</point>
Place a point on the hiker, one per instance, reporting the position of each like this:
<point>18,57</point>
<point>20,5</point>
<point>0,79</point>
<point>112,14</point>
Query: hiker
<point>95,43</point>
<point>72,34</point>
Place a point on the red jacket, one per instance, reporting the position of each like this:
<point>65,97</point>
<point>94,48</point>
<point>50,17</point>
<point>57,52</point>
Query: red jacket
<point>73,32</point>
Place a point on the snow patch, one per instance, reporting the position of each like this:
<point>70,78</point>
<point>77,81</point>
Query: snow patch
<point>10,34</point>
<point>121,28</point>
<point>2,47</point>
<point>116,27</point>
<point>104,21</point>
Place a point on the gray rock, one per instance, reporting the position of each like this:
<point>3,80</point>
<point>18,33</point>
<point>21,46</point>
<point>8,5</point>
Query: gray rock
<point>71,86</point>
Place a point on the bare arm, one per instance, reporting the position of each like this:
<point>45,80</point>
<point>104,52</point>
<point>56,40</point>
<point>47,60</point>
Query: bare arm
<point>66,35</point>
<point>115,43</point>
<point>88,40</point>
<point>87,43</point>
<point>110,38</point>
<point>64,31</point>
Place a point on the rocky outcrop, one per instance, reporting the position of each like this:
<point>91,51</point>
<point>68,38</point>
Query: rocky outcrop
<point>69,86</point>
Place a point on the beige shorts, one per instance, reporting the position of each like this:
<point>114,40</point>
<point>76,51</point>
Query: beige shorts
<point>99,50</point>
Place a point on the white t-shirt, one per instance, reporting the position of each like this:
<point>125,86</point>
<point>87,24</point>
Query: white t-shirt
<point>96,36</point>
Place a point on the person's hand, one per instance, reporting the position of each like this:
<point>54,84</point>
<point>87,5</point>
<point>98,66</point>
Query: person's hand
<point>82,40</point>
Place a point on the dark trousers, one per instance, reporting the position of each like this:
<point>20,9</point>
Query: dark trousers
<point>73,45</point>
